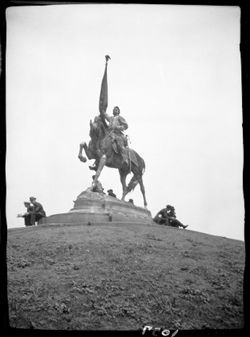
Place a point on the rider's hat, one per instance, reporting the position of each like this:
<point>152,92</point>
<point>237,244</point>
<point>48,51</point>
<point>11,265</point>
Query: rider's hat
<point>117,107</point>
<point>170,207</point>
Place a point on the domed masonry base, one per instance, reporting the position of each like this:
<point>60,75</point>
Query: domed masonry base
<point>92,207</point>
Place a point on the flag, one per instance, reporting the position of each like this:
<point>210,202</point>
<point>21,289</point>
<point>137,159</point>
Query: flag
<point>103,100</point>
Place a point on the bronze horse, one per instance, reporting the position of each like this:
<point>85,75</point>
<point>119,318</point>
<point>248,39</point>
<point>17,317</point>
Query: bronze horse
<point>101,148</point>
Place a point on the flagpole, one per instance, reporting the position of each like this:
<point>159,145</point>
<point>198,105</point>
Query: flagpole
<point>103,99</point>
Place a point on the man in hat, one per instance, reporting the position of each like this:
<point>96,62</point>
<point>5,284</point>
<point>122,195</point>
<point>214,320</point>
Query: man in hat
<point>172,218</point>
<point>111,193</point>
<point>117,124</point>
<point>161,217</point>
<point>27,214</point>
<point>167,217</point>
<point>37,212</point>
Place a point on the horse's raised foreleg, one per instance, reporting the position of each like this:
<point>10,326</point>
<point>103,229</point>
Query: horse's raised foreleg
<point>123,176</point>
<point>88,150</point>
<point>80,156</point>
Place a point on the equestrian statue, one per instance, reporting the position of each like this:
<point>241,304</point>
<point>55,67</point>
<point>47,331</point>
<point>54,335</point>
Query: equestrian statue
<point>109,146</point>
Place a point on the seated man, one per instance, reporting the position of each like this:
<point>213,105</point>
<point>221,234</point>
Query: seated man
<point>161,217</point>
<point>27,214</point>
<point>37,212</point>
<point>167,217</point>
<point>172,218</point>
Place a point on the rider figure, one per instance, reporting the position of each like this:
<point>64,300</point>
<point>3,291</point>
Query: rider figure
<point>117,124</point>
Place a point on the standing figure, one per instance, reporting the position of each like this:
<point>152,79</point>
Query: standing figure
<point>37,212</point>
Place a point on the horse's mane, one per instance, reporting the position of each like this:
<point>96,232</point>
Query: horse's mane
<point>101,125</point>
<point>101,128</point>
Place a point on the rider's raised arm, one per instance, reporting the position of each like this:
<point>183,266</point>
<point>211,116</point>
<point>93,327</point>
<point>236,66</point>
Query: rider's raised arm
<point>105,115</point>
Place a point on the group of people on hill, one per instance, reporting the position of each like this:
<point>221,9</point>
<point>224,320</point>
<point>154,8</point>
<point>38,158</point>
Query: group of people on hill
<point>34,212</point>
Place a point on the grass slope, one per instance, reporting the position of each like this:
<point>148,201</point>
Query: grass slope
<point>123,277</point>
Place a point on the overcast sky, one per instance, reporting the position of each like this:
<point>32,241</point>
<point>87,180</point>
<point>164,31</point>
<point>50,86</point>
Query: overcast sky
<point>175,73</point>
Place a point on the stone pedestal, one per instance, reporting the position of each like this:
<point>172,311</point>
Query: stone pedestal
<point>93,207</point>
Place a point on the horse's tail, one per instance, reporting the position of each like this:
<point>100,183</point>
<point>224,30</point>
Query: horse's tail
<point>138,169</point>
<point>143,166</point>
<point>132,184</point>
<point>139,164</point>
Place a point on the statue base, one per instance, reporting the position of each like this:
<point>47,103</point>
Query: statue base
<point>93,207</point>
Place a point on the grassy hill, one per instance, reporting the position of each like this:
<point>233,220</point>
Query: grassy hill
<point>121,277</point>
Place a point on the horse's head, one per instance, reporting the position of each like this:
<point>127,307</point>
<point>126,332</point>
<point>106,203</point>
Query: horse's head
<point>98,128</point>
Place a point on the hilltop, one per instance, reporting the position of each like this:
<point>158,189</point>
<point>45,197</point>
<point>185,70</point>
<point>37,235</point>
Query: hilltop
<point>121,277</point>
